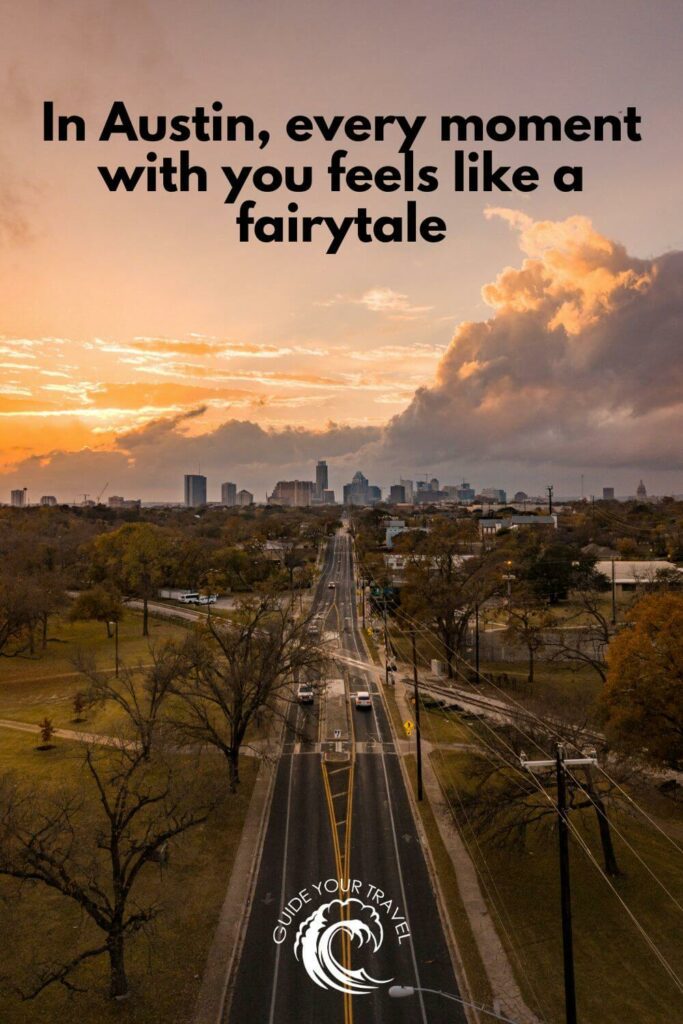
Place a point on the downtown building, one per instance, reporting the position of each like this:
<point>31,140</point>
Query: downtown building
<point>322,482</point>
<point>195,490</point>
<point>229,494</point>
<point>361,492</point>
<point>293,493</point>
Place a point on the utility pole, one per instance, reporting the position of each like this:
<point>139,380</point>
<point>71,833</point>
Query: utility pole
<point>386,638</point>
<point>476,638</point>
<point>614,596</point>
<point>550,489</point>
<point>561,763</point>
<point>417,717</point>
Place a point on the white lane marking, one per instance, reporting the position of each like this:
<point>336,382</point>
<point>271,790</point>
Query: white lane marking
<point>396,851</point>
<point>271,1016</point>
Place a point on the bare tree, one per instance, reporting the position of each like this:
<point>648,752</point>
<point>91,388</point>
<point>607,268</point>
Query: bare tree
<point>140,692</point>
<point>506,804</point>
<point>582,639</point>
<point>240,668</point>
<point>92,846</point>
<point>528,620</point>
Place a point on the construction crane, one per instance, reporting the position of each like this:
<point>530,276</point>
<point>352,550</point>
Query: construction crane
<point>102,492</point>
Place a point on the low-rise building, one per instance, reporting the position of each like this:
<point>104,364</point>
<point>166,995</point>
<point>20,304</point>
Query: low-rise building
<point>629,576</point>
<point>490,527</point>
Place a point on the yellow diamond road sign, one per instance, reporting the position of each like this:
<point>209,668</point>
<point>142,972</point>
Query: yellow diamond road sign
<point>408,726</point>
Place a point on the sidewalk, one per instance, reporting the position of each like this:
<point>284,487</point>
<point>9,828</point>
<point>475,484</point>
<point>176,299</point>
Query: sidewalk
<point>507,995</point>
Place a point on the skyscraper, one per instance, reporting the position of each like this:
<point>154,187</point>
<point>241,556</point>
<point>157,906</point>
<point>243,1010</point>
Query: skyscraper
<point>608,494</point>
<point>195,490</point>
<point>229,494</point>
<point>18,498</point>
<point>408,487</point>
<point>321,479</point>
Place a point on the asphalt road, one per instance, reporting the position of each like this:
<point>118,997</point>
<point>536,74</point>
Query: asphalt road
<point>340,819</point>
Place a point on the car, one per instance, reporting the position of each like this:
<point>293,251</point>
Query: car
<point>207,599</point>
<point>304,693</point>
<point>192,597</point>
<point>331,586</point>
<point>363,700</point>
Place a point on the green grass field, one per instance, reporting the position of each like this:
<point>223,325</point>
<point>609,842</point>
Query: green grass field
<point>45,685</point>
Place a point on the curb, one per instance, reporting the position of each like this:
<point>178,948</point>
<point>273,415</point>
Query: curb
<point>223,956</point>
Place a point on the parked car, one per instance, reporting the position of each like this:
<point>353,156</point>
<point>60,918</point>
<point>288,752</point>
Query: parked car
<point>304,693</point>
<point>331,586</point>
<point>363,700</point>
<point>192,597</point>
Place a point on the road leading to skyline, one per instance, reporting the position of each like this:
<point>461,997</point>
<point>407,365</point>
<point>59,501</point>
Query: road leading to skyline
<point>340,812</point>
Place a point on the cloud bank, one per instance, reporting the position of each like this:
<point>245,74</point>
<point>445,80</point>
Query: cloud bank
<point>577,367</point>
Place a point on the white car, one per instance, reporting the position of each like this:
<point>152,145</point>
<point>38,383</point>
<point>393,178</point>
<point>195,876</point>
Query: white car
<point>304,693</point>
<point>331,586</point>
<point>363,700</point>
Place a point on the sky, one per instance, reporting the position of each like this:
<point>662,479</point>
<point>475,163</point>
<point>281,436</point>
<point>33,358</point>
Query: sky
<point>140,340</point>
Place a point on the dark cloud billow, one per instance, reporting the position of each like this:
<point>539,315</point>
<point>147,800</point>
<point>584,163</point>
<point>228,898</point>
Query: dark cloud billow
<point>579,365</point>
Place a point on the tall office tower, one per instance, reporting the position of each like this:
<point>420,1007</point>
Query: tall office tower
<point>195,490</point>
<point>229,494</point>
<point>408,487</point>
<point>48,499</point>
<point>397,494</point>
<point>321,479</point>
<point>608,494</point>
<point>245,497</point>
<point>18,498</point>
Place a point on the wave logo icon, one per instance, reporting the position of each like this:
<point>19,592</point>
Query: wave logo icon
<point>316,936</point>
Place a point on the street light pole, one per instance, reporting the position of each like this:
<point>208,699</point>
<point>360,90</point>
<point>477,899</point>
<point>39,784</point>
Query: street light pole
<point>614,595</point>
<point>403,991</point>
<point>417,717</point>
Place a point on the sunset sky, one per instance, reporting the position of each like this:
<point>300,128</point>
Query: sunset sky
<point>540,341</point>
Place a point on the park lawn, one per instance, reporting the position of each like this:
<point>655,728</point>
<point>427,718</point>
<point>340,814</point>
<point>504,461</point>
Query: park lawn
<point>618,978</point>
<point>164,967</point>
<point>45,686</point>
<point>557,689</point>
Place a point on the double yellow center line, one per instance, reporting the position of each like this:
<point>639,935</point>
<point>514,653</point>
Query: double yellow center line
<point>340,810</point>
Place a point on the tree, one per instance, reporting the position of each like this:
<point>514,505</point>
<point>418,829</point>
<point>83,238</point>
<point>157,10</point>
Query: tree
<point>135,558</point>
<point>507,804</point>
<point>102,603</point>
<point>92,845</point>
<point>140,693</point>
<point>528,621</point>
<point>643,697</point>
<point>442,589</point>
<point>582,638</point>
<point>239,668</point>
<point>47,731</point>
<point>80,703</point>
